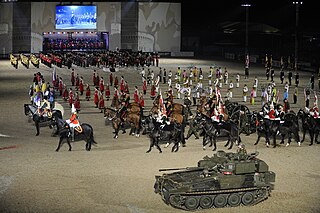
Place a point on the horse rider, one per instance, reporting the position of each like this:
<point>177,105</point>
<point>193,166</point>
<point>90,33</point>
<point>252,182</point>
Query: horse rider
<point>44,108</point>
<point>73,121</point>
<point>123,108</point>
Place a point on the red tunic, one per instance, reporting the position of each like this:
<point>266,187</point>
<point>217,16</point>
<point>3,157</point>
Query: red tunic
<point>122,85</point>
<point>88,92</point>
<point>60,86</point>
<point>96,97</point>
<point>77,81</point>
<point>126,88</point>
<point>144,86</point>
<point>101,85</point>
<point>136,96</point>
<point>111,79</point>
<point>65,94</point>
<point>77,103</point>
<point>81,86</point>
<point>116,82</point>
<point>272,114</point>
<point>141,102</point>
<point>107,92</point>
<point>70,97</point>
<point>153,91</point>
<point>101,102</point>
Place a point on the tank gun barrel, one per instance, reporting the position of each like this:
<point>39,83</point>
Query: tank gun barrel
<point>185,168</point>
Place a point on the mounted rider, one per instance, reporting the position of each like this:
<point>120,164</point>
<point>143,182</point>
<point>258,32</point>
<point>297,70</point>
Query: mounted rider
<point>73,121</point>
<point>44,109</point>
<point>123,108</point>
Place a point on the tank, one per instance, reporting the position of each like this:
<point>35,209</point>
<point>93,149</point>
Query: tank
<point>223,180</point>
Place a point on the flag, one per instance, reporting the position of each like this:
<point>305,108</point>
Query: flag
<point>161,105</point>
<point>247,61</point>
<point>54,76</point>
<point>266,62</point>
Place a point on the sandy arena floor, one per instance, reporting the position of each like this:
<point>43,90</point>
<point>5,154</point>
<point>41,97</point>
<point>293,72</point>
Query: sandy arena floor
<point>117,175</point>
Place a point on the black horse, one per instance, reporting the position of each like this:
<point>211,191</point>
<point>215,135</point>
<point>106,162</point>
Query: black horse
<point>263,129</point>
<point>173,133</point>
<point>309,124</point>
<point>216,128</point>
<point>209,132</point>
<point>63,129</point>
<point>272,128</point>
<point>32,110</point>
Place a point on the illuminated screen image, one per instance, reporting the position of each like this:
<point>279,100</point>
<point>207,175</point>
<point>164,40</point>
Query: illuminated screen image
<point>76,17</point>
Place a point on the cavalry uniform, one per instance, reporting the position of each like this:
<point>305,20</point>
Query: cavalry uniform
<point>73,121</point>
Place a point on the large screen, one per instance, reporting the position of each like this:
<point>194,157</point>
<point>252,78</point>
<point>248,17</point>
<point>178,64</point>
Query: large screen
<point>76,17</point>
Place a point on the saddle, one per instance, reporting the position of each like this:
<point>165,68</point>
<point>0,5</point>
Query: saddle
<point>78,129</point>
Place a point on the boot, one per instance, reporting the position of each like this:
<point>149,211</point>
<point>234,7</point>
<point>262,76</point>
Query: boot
<point>72,133</point>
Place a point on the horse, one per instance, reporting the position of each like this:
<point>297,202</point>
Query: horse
<point>209,132</point>
<point>263,128</point>
<point>63,129</point>
<point>131,120</point>
<point>168,133</point>
<point>309,124</point>
<point>228,126</point>
<point>176,107</point>
<point>32,110</point>
<point>115,102</point>
<point>287,127</point>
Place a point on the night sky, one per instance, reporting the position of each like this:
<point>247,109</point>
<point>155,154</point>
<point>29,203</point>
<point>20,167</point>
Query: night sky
<point>279,14</point>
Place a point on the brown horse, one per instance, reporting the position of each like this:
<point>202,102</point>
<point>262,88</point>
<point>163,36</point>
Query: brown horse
<point>134,108</point>
<point>179,108</point>
<point>131,120</point>
<point>115,103</point>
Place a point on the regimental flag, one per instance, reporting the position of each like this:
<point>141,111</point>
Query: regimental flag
<point>266,62</point>
<point>54,76</point>
<point>161,105</point>
<point>247,61</point>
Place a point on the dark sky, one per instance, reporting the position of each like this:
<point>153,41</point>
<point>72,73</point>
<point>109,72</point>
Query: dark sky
<point>280,14</point>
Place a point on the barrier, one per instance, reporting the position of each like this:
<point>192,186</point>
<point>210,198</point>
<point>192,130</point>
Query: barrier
<point>14,61</point>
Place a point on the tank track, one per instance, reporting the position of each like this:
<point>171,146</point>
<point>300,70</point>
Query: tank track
<point>219,198</point>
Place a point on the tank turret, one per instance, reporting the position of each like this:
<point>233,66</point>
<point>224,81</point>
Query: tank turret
<point>225,179</point>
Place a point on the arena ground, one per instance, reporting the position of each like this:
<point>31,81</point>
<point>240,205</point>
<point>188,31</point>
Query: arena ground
<point>117,175</point>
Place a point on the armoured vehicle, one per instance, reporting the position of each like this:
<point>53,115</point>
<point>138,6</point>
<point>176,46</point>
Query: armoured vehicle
<point>225,179</point>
